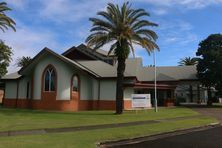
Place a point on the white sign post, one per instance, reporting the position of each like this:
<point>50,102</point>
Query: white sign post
<point>141,101</point>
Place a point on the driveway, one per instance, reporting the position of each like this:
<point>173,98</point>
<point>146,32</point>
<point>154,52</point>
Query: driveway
<point>214,111</point>
<point>211,138</point>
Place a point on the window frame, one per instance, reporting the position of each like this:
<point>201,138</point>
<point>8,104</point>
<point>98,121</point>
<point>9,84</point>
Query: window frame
<point>47,70</point>
<point>78,83</point>
<point>27,90</point>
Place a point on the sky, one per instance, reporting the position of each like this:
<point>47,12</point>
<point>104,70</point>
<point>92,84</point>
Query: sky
<point>61,24</point>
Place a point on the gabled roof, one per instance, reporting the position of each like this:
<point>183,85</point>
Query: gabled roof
<point>101,69</point>
<point>169,73</point>
<point>61,57</point>
<point>99,53</point>
<point>11,76</point>
<point>134,68</point>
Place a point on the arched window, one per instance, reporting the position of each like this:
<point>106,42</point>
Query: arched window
<point>49,79</point>
<point>75,83</point>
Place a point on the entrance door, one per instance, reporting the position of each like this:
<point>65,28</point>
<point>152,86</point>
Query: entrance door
<point>75,91</point>
<point>161,97</point>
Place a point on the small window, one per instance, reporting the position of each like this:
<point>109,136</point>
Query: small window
<point>75,84</point>
<point>27,90</point>
<point>49,83</point>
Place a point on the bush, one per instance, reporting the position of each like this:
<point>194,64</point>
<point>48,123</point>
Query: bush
<point>180,100</point>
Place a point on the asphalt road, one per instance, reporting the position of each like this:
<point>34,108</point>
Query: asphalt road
<point>211,138</point>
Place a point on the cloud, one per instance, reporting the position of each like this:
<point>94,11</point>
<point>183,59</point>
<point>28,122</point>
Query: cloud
<point>18,4</point>
<point>160,11</point>
<point>175,31</point>
<point>190,4</point>
<point>27,41</point>
<point>70,11</point>
<point>62,23</point>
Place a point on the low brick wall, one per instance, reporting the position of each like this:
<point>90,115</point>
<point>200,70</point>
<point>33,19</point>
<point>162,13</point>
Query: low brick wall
<point>1,95</point>
<point>64,105</point>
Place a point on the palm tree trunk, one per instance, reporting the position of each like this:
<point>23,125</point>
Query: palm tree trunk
<point>119,87</point>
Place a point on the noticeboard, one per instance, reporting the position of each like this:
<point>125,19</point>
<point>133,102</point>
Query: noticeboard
<point>141,101</point>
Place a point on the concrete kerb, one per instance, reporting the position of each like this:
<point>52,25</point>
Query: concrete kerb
<point>109,144</point>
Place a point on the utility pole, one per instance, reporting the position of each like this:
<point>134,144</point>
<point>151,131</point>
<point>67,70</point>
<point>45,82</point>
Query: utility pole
<point>155,90</point>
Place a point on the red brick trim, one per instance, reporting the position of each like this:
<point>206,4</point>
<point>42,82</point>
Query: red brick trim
<point>72,97</point>
<point>127,104</point>
<point>65,105</point>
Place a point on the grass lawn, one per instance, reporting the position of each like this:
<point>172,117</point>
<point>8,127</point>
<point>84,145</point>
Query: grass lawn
<point>87,139</point>
<point>18,119</point>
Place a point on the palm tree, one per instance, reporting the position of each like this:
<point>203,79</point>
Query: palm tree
<point>121,28</point>
<point>5,21</point>
<point>188,61</point>
<point>23,61</point>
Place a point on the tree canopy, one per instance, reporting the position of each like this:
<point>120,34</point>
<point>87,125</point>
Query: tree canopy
<point>23,61</point>
<point>187,61</point>
<point>5,21</point>
<point>5,58</point>
<point>121,28</point>
<point>210,62</point>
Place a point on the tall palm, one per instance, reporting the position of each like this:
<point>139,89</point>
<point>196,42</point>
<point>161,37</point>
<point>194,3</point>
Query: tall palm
<point>121,28</point>
<point>187,61</point>
<point>5,21</point>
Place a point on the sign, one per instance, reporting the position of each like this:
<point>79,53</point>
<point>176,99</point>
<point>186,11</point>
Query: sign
<point>141,101</point>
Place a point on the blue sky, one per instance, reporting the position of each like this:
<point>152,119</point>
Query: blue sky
<point>60,24</point>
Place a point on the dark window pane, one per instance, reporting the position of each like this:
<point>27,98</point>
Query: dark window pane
<point>50,80</point>
<point>47,77</point>
<point>53,80</point>
<point>27,90</point>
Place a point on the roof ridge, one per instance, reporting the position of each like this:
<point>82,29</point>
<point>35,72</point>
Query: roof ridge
<point>62,57</point>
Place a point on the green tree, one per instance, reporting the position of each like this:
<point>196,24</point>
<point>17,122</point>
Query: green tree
<point>23,61</point>
<point>5,58</point>
<point>188,61</point>
<point>209,65</point>
<point>5,21</point>
<point>122,27</point>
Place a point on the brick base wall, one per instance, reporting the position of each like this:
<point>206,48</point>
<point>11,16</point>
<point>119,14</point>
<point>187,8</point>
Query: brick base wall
<point>1,95</point>
<point>64,105</point>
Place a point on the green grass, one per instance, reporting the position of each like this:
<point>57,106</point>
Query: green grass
<point>18,119</point>
<point>88,139</point>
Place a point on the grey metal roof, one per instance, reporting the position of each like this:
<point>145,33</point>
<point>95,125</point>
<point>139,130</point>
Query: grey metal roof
<point>169,73</point>
<point>134,68</point>
<point>102,69</point>
<point>11,76</point>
